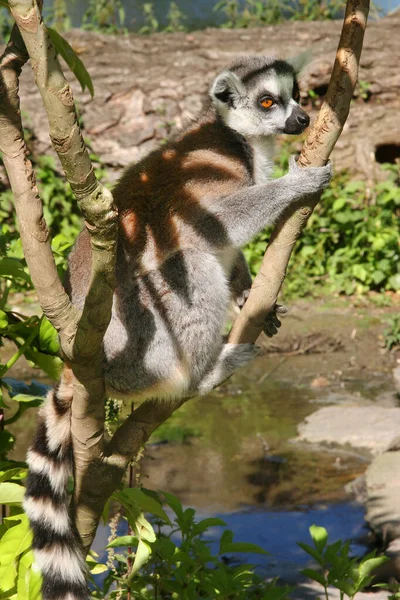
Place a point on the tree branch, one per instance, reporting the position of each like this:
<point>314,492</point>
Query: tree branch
<point>81,334</point>
<point>317,148</point>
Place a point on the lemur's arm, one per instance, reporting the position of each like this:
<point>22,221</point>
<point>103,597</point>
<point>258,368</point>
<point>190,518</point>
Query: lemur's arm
<point>241,215</point>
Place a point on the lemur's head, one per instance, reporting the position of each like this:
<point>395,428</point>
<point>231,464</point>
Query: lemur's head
<point>259,95</point>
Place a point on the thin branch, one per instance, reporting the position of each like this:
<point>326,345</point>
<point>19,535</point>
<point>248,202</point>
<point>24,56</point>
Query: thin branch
<point>316,151</point>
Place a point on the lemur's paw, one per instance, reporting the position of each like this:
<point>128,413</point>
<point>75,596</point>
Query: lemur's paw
<point>238,355</point>
<point>272,322</point>
<point>310,179</point>
<point>242,298</point>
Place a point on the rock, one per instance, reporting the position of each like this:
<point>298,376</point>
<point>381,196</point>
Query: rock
<point>319,382</point>
<point>383,492</point>
<point>369,427</point>
<point>396,377</point>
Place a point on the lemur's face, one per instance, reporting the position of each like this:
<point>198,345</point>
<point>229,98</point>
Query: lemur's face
<point>260,98</point>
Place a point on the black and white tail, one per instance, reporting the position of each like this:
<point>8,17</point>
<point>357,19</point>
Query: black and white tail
<point>56,542</point>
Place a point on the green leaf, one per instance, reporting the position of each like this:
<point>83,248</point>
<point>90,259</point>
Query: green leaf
<point>11,493</point>
<point>360,272</point>
<point>13,267</point>
<point>312,552</point>
<point>14,542</point>
<point>226,538</point>
<point>173,503</point>
<point>72,59</point>
<point>319,536</point>
<point>205,524</point>
<point>394,282</point>
<point>7,441</point>
<point>141,557</point>
<point>368,565</point>
<point>3,320</point>
<point>52,365</point>
<point>98,568</point>
<point>346,587</point>
<point>318,577</point>
<point>147,503</point>
<point>145,529</point>
<point>378,276</point>
<point>48,337</point>
<point>29,580</point>
<point>124,540</point>
<point>12,473</point>
<point>339,204</point>
<point>243,547</point>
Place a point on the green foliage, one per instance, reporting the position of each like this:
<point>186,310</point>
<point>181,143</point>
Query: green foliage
<point>392,333</point>
<point>56,14</point>
<point>178,562</point>
<point>338,569</point>
<point>151,24</point>
<point>316,10</point>
<point>104,16</point>
<point>176,19</point>
<point>256,13</point>
<point>350,244</point>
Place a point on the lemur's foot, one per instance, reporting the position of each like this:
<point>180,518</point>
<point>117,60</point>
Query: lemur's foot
<point>272,321</point>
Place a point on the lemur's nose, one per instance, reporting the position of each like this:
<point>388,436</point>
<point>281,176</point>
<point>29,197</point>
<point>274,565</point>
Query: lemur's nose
<point>303,119</point>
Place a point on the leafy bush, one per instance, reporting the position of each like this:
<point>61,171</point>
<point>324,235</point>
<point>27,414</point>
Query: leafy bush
<point>351,242</point>
<point>177,563</point>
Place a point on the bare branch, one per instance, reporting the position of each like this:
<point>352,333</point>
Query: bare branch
<point>319,145</point>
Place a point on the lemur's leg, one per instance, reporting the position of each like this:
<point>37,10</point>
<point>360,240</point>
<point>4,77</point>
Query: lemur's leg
<point>231,358</point>
<point>245,213</point>
<point>240,280</point>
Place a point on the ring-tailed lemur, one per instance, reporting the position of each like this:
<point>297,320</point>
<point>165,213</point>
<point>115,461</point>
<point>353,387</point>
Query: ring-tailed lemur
<point>184,212</point>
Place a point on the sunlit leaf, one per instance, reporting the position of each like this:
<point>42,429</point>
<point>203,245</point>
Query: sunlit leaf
<point>48,337</point>
<point>13,543</point>
<point>319,536</point>
<point>142,555</point>
<point>124,540</point>
<point>11,493</point>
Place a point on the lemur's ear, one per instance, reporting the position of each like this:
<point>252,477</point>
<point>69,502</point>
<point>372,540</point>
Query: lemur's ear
<point>227,88</point>
<point>300,61</point>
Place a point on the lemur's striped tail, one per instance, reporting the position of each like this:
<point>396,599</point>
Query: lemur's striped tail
<point>56,542</point>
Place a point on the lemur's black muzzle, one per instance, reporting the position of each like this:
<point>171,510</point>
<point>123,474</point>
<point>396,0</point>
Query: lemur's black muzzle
<point>297,122</point>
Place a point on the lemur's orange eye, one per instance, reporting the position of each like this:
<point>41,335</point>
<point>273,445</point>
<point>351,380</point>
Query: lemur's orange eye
<point>266,102</point>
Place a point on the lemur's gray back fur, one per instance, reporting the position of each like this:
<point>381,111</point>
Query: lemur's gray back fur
<point>184,212</point>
